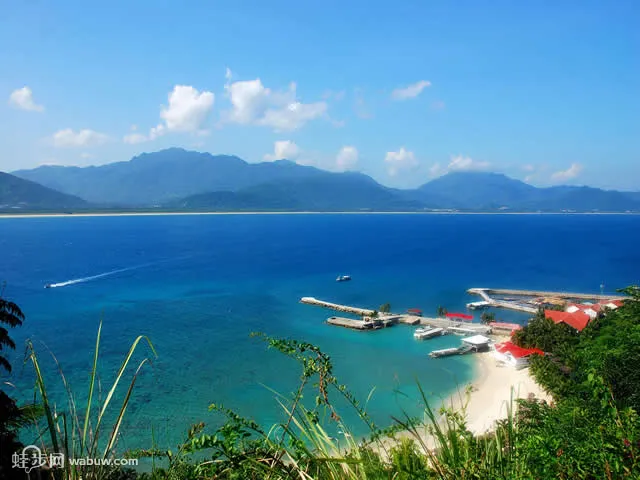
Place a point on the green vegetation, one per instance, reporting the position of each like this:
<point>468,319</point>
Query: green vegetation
<point>590,431</point>
<point>441,311</point>
<point>488,317</point>
<point>385,308</point>
<point>11,417</point>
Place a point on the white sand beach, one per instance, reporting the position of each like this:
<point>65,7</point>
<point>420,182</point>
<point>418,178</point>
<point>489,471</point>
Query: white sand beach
<point>493,391</point>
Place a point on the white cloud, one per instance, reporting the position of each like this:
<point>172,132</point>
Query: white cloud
<point>134,138</point>
<point>86,156</point>
<point>458,163</point>
<point>400,160</point>
<point>22,98</point>
<point>410,91</point>
<point>69,138</point>
<point>347,158</point>
<point>528,168</point>
<point>573,171</point>
<point>465,163</point>
<point>188,109</point>
<point>283,149</point>
<point>254,104</point>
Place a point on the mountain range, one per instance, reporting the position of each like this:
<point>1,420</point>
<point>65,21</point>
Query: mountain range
<point>176,179</point>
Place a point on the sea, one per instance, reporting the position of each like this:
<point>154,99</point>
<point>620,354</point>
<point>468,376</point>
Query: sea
<point>197,286</point>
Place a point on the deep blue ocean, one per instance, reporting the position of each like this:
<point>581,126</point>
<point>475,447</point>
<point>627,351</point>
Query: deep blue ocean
<point>197,286</point>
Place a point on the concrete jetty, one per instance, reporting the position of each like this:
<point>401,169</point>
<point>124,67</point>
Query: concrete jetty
<point>363,312</point>
<point>542,293</point>
<point>525,304</point>
<point>365,324</point>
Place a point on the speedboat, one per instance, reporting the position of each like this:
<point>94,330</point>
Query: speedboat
<point>48,285</point>
<point>343,278</point>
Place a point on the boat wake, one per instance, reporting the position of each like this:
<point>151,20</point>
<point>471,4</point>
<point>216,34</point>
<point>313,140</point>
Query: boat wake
<point>92,277</point>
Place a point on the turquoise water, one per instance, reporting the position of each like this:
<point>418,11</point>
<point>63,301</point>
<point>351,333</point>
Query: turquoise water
<point>198,285</point>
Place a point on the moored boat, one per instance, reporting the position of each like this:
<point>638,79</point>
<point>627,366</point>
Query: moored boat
<point>343,278</point>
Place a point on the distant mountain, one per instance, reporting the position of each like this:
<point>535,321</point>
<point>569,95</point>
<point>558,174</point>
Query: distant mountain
<point>17,194</point>
<point>322,192</point>
<point>161,177</point>
<point>474,191</point>
<point>184,180</point>
<point>493,191</point>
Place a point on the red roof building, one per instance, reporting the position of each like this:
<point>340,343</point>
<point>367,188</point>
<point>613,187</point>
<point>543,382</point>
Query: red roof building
<point>578,319</point>
<point>511,354</point>
<point>516,351</point>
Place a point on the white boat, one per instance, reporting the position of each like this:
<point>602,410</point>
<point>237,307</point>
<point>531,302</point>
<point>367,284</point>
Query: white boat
<point>423,333</point>
<point>343,278</point>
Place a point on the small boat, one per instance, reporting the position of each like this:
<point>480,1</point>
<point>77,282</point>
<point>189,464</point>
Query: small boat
<point>343,278</point>
<point>48,285</point>
<point>423,333</point>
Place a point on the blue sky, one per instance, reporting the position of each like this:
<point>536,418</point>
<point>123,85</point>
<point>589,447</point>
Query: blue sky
<point>403,91</point>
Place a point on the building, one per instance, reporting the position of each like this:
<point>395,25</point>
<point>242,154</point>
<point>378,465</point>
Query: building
<point>593,309</point>
<point>577,319</point>
<point>514,356</point>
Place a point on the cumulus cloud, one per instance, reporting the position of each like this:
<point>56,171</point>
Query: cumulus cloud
<point>187,111</point>
<point>410,91</point>
<point>347,158</point>
<point>283,149</point>
<point>573,171</point>
<point>254,104</point>
<point>400,160</point>
<point>22,98</point>
<point>69,138</point>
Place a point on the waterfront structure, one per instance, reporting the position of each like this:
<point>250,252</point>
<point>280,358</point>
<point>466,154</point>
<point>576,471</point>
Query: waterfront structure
<point>514,356</point>
<point>578,319</point>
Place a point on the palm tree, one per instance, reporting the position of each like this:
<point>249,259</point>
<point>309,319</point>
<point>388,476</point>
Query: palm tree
<point>488,317</point>
<point>385,308</point>
<point>10,314</point>
<point>441,311</point>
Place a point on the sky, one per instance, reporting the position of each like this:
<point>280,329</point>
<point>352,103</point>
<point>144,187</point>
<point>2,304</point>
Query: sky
<point>543,91</point>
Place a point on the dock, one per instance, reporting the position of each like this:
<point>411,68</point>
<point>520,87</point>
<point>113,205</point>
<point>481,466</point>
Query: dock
<point>529,301</point>
<point>363,312</point>
<point>368,324</point>
<point>369,318</point>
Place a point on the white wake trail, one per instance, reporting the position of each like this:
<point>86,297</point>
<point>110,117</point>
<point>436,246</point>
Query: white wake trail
<point>88,279</point>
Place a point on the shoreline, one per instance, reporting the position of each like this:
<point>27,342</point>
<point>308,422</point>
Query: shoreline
<point>153,214</point>
<point>494,389</point>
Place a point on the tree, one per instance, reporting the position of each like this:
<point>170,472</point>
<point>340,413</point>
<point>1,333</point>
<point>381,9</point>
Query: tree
<point>10,314</point>
<point>488,317</point>
<point>385,308</point>
<point>441,311</point>
<point>11,416</point>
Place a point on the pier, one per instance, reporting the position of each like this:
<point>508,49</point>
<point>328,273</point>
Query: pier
<point>362,312</point>
<point>366,324</point>
<point>370,319</point>
<point>485,292</point>
<point>530,300</point>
